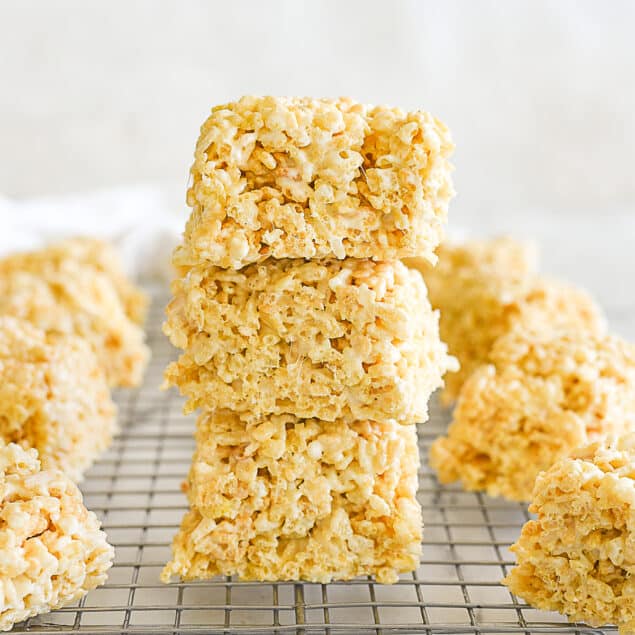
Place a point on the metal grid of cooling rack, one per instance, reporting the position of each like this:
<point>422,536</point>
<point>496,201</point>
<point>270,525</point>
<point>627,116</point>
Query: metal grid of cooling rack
<point>135,489</point>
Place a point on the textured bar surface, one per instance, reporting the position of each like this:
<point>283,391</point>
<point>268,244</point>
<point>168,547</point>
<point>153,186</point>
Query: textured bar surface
<point>351,339</point>
<point>53,397</point>
<point>291,499</point>
<point>91,253</point>
<point>74,299</point>
<point>578,556</point>
<point>541,397</point>
<point>485,288</point>
<point>316,178</point>
<point>52,551</point>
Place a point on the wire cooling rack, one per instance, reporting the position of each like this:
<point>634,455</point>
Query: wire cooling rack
<point>135,489</point>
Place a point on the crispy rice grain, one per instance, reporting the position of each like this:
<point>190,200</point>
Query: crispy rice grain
<point>316,178</point>
<point>52,551</point>
<point>53,397</point>
<point>578,556</point>
<point>283,498</point>
<point>542,396</point>
<point>351,339</point>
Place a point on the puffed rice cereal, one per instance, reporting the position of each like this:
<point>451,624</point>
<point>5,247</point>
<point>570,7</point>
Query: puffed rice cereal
<point>542,396</point>
<point>283,498</point>
<point>52,551</point>
<point>316,178</point>
<point>91,252</point>
<point>485,288</point>
<point>53,397</point>
<point>78,300</point>
<point>340,339</point>
<point>578,556</point>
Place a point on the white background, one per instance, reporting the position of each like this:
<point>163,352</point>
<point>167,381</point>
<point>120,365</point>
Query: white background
<point>540,96</point>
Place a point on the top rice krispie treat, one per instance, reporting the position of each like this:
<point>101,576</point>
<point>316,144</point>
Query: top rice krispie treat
<point>316,178</point>
<point>332,339</point>
<point>578,556</point>
<point>283,498</point>
<point>78,300</point>
<point>542,396</point>
<point>52,551</point>
<point>91,252</point>
<point>485,288</point>
<point>53,397</point>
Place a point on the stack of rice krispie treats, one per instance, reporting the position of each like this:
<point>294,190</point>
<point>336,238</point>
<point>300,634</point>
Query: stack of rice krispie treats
<point>309,348</point>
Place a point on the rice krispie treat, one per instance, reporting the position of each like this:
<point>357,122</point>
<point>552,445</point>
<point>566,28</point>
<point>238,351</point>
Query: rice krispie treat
<point>316,178</point>
<point>340,339</point>
<point>78,300</point>
<point>283,498</point>
<point>90,252</point>
<point>53,397</point>
<point>578,556</point>
<point>485,288</point>
<point>52,551</point>
<point>542,396</point>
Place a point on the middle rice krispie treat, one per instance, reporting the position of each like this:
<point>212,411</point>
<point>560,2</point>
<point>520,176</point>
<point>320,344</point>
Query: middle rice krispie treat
<point>52,550</point>
<point>484,288</point>
<point>578,556</point>
<point>77,300</point>
<point>335,339</point>
<point>316,178</point>
<point>542,396</point>
<point>53,397</point>
<point>283,498</point>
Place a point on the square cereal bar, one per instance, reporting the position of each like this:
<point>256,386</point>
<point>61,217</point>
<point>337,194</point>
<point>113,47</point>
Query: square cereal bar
<point>78,300</point>
<point>91,253</point>
<point>52,550</point>
<point>578,556</point>
<point>283,498</point>
<point>53,397</point>
<point>541,396</point>
<point>316,178</point>
<point>484,288</point>
<point>335,339</point>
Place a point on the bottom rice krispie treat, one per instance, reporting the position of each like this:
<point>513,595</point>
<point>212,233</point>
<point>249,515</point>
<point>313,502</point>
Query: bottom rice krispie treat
<point>542,396</point>
<point>484,288</point>
<point>578,556</point>
<point>299,499</point>
<point>53,397</point>
<point>52,551</point>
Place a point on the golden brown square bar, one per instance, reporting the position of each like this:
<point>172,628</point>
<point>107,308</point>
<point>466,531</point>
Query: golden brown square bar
<point>484,288</point>
<point>299,499</point>
<point>53,397</point>
<point>335,339</point>
<point>316,178</point>
<point>52,550</point>
<point>578,556</point>
<point>77,300</point>
<point>92,253</point>
<point>542,396</point>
